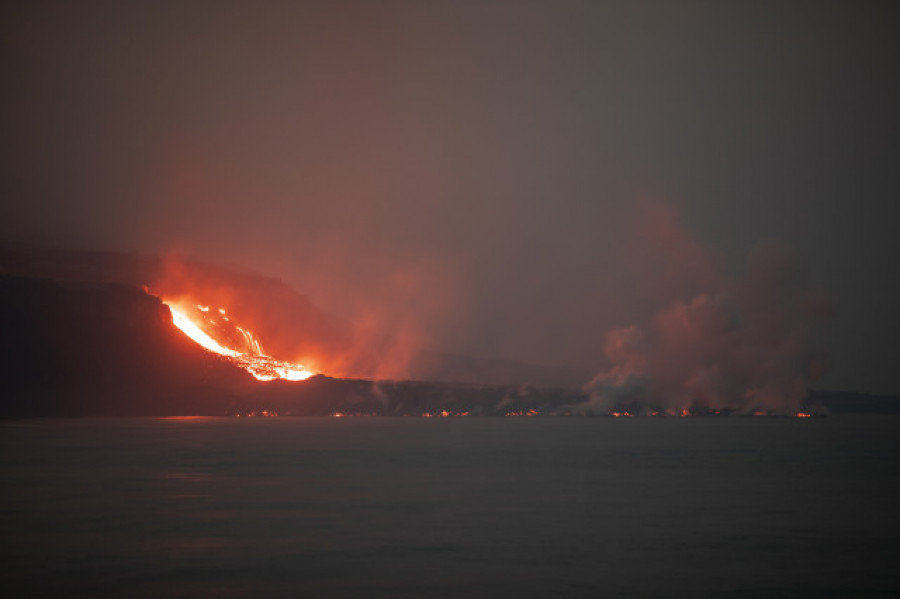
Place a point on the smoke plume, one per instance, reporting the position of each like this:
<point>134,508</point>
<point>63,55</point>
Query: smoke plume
<point>719,342</point>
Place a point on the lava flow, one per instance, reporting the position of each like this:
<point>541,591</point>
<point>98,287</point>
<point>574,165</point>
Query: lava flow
<point>215,331</point>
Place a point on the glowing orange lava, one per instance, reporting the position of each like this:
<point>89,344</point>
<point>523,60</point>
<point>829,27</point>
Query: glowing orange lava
<point>216,332</point>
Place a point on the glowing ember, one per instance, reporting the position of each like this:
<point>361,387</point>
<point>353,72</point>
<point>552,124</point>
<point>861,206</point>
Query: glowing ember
<point>215,332</point>
<point>531,412</point>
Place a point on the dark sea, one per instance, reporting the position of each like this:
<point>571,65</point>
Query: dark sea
<point>452,507</point>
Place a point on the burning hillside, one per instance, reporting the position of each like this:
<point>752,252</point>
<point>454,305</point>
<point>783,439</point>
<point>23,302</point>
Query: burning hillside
<point>83,342</point>
<point>215,330</point>
<point>291,328</point>
<point>76,349</point>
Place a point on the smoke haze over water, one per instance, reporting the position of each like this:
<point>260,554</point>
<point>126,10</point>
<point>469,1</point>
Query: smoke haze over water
<point>741,343</point>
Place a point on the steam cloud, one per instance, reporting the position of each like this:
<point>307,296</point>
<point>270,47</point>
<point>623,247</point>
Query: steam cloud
<point>719,342</point>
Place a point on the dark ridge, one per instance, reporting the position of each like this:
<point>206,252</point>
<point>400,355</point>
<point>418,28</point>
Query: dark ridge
<point>79,349</point>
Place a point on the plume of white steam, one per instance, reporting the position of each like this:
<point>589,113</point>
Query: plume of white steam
<point>738,344</point>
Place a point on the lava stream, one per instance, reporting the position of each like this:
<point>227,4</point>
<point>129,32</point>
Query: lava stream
<point>200,323</point>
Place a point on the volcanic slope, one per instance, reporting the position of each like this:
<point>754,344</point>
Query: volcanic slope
<point>290,326</point>
<point>78,349</point>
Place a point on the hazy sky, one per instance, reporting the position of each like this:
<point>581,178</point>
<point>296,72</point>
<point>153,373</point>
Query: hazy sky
<point>472,170</point>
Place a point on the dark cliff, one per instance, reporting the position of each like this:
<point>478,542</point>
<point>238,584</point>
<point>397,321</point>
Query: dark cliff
<point>98,348</point>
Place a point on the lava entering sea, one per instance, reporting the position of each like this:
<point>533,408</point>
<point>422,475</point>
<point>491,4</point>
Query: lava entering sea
<point>217,332</point>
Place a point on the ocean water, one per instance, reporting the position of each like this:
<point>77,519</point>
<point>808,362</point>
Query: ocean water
<point>379,507</point>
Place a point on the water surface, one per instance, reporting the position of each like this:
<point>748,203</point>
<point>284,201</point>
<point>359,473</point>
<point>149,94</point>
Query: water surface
<point>379,507</point>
